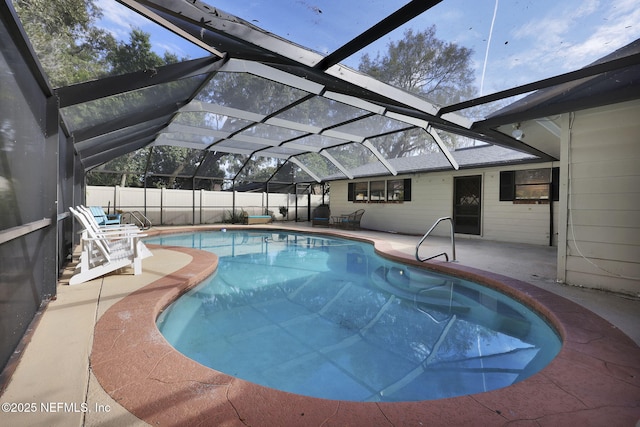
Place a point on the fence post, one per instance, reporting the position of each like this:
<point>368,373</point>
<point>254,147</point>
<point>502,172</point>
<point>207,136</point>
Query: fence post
<point>233,206</point>
<point>145,195</point>
<point>193,201</point>
<point>115,197</point>
<point>162,206</point>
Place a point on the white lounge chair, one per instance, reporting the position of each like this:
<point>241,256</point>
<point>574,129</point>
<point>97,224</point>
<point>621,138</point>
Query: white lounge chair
<point>105,250</point>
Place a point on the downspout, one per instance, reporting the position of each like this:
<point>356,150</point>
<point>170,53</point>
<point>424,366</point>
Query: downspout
<point>551,217</point>
<point>551,197</point>
<point>563,212</point>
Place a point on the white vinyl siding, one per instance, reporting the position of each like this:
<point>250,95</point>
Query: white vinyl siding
<point>513,222</point>
<point>603,218</point>
<point>432,198</point>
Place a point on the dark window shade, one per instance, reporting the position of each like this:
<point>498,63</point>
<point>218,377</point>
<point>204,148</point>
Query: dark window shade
<point>351,192</point>
<point>407,190</point>
<point>507,186</point>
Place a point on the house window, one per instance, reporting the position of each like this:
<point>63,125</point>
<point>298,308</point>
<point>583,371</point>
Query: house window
<point>377,191</point>
<point>529,186</point>
<point>361,191</point>
<point>399,190</point>
<point>394,190</point>
<point>532,184</point>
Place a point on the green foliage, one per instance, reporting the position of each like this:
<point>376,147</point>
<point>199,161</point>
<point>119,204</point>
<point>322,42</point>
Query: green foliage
<point>169,163</point>
<point>126,171</point>
<point>73,49</point>
<point>70,47</point>
<point>426,66</point>
<point>233,216</point>
<point>135,55</point>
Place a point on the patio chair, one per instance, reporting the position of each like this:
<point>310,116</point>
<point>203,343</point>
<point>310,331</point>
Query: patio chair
<point>321,216</point>
<point>102,218</point>
<point>98,225</point>
<point>349,221</point>
<point>105,250</point>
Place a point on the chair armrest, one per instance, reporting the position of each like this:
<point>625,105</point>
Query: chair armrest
<point>106,238</point>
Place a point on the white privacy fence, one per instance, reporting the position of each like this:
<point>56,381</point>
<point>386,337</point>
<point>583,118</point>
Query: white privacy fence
<point>184,207</point>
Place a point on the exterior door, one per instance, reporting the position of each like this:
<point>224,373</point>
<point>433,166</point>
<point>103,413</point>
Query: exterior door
<point>466,204</point>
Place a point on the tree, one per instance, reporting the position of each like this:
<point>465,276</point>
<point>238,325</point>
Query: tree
<point>73,49</point>
<point>256,94</point>
<point>426,66</point>
<point>69,46</point>
<point>136,55</point>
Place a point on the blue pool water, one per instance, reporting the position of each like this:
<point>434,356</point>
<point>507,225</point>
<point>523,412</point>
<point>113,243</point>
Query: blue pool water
<point>327,317</point>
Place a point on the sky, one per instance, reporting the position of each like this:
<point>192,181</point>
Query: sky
<point>513,41</point>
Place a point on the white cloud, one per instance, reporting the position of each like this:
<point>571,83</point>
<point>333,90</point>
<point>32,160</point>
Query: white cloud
<point>619,27</point>
<point>573,35</point>
<point>119,20</point>
<point>557,37</point>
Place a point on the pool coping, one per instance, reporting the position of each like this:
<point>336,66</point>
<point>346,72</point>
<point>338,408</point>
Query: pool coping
<point>594,380</point>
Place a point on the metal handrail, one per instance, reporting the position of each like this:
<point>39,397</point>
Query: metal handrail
<point>423,311</point>
<point>138,218</point>
<point>453,241</point>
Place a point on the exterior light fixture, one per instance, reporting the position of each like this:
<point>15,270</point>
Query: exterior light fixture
<point>517,132</point>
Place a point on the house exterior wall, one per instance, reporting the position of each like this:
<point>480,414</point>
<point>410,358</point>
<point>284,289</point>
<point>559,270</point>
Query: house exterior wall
<point>430,201</point>
<point>601,222</point>
<point>432,198</point>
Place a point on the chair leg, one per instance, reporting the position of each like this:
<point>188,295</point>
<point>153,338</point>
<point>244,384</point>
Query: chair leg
<point>137,266</point>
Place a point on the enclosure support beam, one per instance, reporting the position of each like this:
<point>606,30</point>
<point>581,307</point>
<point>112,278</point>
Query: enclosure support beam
<point>443,147</point>
<point>337,164</point>
<point>304,168</point>
<point>380,157</point>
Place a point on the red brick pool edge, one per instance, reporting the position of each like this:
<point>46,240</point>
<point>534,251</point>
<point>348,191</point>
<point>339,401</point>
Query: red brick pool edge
<point>594,380</point>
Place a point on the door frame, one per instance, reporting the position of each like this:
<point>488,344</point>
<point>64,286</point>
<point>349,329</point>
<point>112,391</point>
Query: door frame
<point>477,230</point>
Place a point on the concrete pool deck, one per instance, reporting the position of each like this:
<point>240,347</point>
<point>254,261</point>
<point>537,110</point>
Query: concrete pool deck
<point>594,381</point>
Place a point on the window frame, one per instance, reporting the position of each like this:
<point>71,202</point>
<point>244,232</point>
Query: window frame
<point>388,188</point>
<point>515,182</point>
<point>361,187</point>
<point>378,191</point>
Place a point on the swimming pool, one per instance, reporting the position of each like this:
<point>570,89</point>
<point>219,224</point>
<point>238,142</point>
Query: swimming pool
<point>326,317</point>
